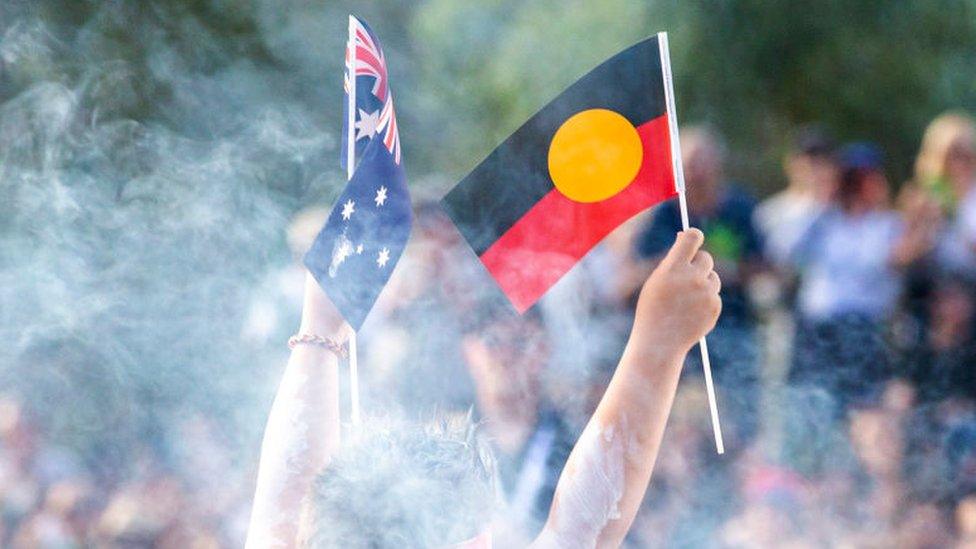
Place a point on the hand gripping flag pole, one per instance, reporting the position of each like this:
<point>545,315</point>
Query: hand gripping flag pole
<point>355,253</point>
<point>679,179</point>
<point>350,169</point>
<point>601,152</point>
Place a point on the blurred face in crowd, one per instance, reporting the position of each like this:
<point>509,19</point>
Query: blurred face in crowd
<point>960,162</point>
<point>863,190</point>
<point>875,190</point>
<point>813,174</point>
<point>877,441</point>
<point>506,360</point>
<point>948,154</point>
<point>898,396</point>
<point>966,518</point>
<point>952,313</point>
<point>702,158</point>
<point>430,260</point>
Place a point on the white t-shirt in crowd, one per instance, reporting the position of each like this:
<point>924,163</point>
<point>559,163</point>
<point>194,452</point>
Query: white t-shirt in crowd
<point>783,219</point>
<point>845,265</point>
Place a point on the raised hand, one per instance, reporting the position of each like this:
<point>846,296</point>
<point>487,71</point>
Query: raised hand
<point>319,315</point>
<point>679,302</point>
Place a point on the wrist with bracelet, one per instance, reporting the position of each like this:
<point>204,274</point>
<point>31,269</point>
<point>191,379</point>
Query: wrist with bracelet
<point>315,340</point>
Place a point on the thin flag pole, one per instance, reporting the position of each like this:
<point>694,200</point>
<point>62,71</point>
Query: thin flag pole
<point>350,168</point>
<point>679,180</point>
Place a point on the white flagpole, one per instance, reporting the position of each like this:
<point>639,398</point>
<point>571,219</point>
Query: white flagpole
<point>350,168</point>
<point>679,181</point>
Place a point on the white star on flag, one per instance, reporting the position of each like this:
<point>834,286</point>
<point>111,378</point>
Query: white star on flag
<point>366,125</point>
<point>347,209</point>
<point>359,249</point>
<point>343,251</point>
<point>383,257</point>
<point>380,196</point>
<point>340,252</point>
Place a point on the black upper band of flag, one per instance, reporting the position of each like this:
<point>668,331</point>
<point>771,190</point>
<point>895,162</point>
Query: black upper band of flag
<point>629,83</point>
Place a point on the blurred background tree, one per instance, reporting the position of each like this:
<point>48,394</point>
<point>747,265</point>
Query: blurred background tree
<point>870,69</point>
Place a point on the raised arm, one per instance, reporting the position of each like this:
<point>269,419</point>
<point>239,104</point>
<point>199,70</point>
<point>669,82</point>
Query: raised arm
<point>608,471</point>
<point>303,427</point>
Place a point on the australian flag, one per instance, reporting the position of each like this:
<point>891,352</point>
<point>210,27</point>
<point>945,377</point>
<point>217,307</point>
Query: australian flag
<point>353,256</point>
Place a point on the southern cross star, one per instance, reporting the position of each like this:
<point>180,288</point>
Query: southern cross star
<point>347,209</point>
<point>341,253</point>
<point>380,197</point>
<point>383,257</point>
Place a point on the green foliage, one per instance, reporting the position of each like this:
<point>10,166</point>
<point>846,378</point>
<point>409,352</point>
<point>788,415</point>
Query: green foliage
<point>875,70</point>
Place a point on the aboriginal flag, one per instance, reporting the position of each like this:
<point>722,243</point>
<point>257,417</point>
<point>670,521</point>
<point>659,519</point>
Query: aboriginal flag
<point>591,159</point>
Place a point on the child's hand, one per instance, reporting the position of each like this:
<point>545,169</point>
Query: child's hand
<point>680,301</point>
<point>319,315</point>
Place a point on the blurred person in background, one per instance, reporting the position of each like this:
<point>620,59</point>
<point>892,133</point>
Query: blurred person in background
<point>587,318</point>
<point>531,439</point>
<point>411,343</point>
<point>724,213</point>
<point>850,260</point>
<point>811,180</point>
<point>877,438</point>
<point>941,363</point>
<point>772,513</point>
<point>69,508</point>
<point>965,523</point>
<point>892,513</point>
<point>939,198</point>
<point>945,170</point>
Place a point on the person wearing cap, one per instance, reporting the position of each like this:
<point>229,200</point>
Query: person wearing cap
<point>811,180</point>
<point>850,261</point>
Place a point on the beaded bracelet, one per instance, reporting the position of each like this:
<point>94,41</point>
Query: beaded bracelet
<point>319,341</point>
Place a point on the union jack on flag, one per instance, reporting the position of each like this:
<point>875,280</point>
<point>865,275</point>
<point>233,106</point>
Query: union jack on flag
<point>353,256</point>
<point>374,113</point>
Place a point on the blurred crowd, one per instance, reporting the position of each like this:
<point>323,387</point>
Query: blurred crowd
<point>842,362</point>
<point>183,496</point>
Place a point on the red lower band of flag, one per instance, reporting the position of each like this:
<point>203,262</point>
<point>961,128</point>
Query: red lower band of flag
<point>557,231</point>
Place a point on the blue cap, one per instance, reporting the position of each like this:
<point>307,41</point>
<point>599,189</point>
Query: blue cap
<point>862,155</point>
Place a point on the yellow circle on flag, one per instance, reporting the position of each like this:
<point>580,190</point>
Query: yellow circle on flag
<point>594,155</point>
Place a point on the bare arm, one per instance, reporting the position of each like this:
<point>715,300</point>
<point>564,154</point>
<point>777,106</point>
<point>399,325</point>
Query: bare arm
<point>302,431</point>
<point>607,474</point>
<point>922,218</point>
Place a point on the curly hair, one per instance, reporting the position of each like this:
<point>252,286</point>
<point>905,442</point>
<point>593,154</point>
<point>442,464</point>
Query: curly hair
<point>397,485</point>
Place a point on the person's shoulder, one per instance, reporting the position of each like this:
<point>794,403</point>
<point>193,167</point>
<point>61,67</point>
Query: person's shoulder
<point>665,214</point>
<point>737,196</point>
<point>738,206</point>
<point>774,201</point>
<point>830,215</point>
<point>827,220</point>
<point>668,207</point>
